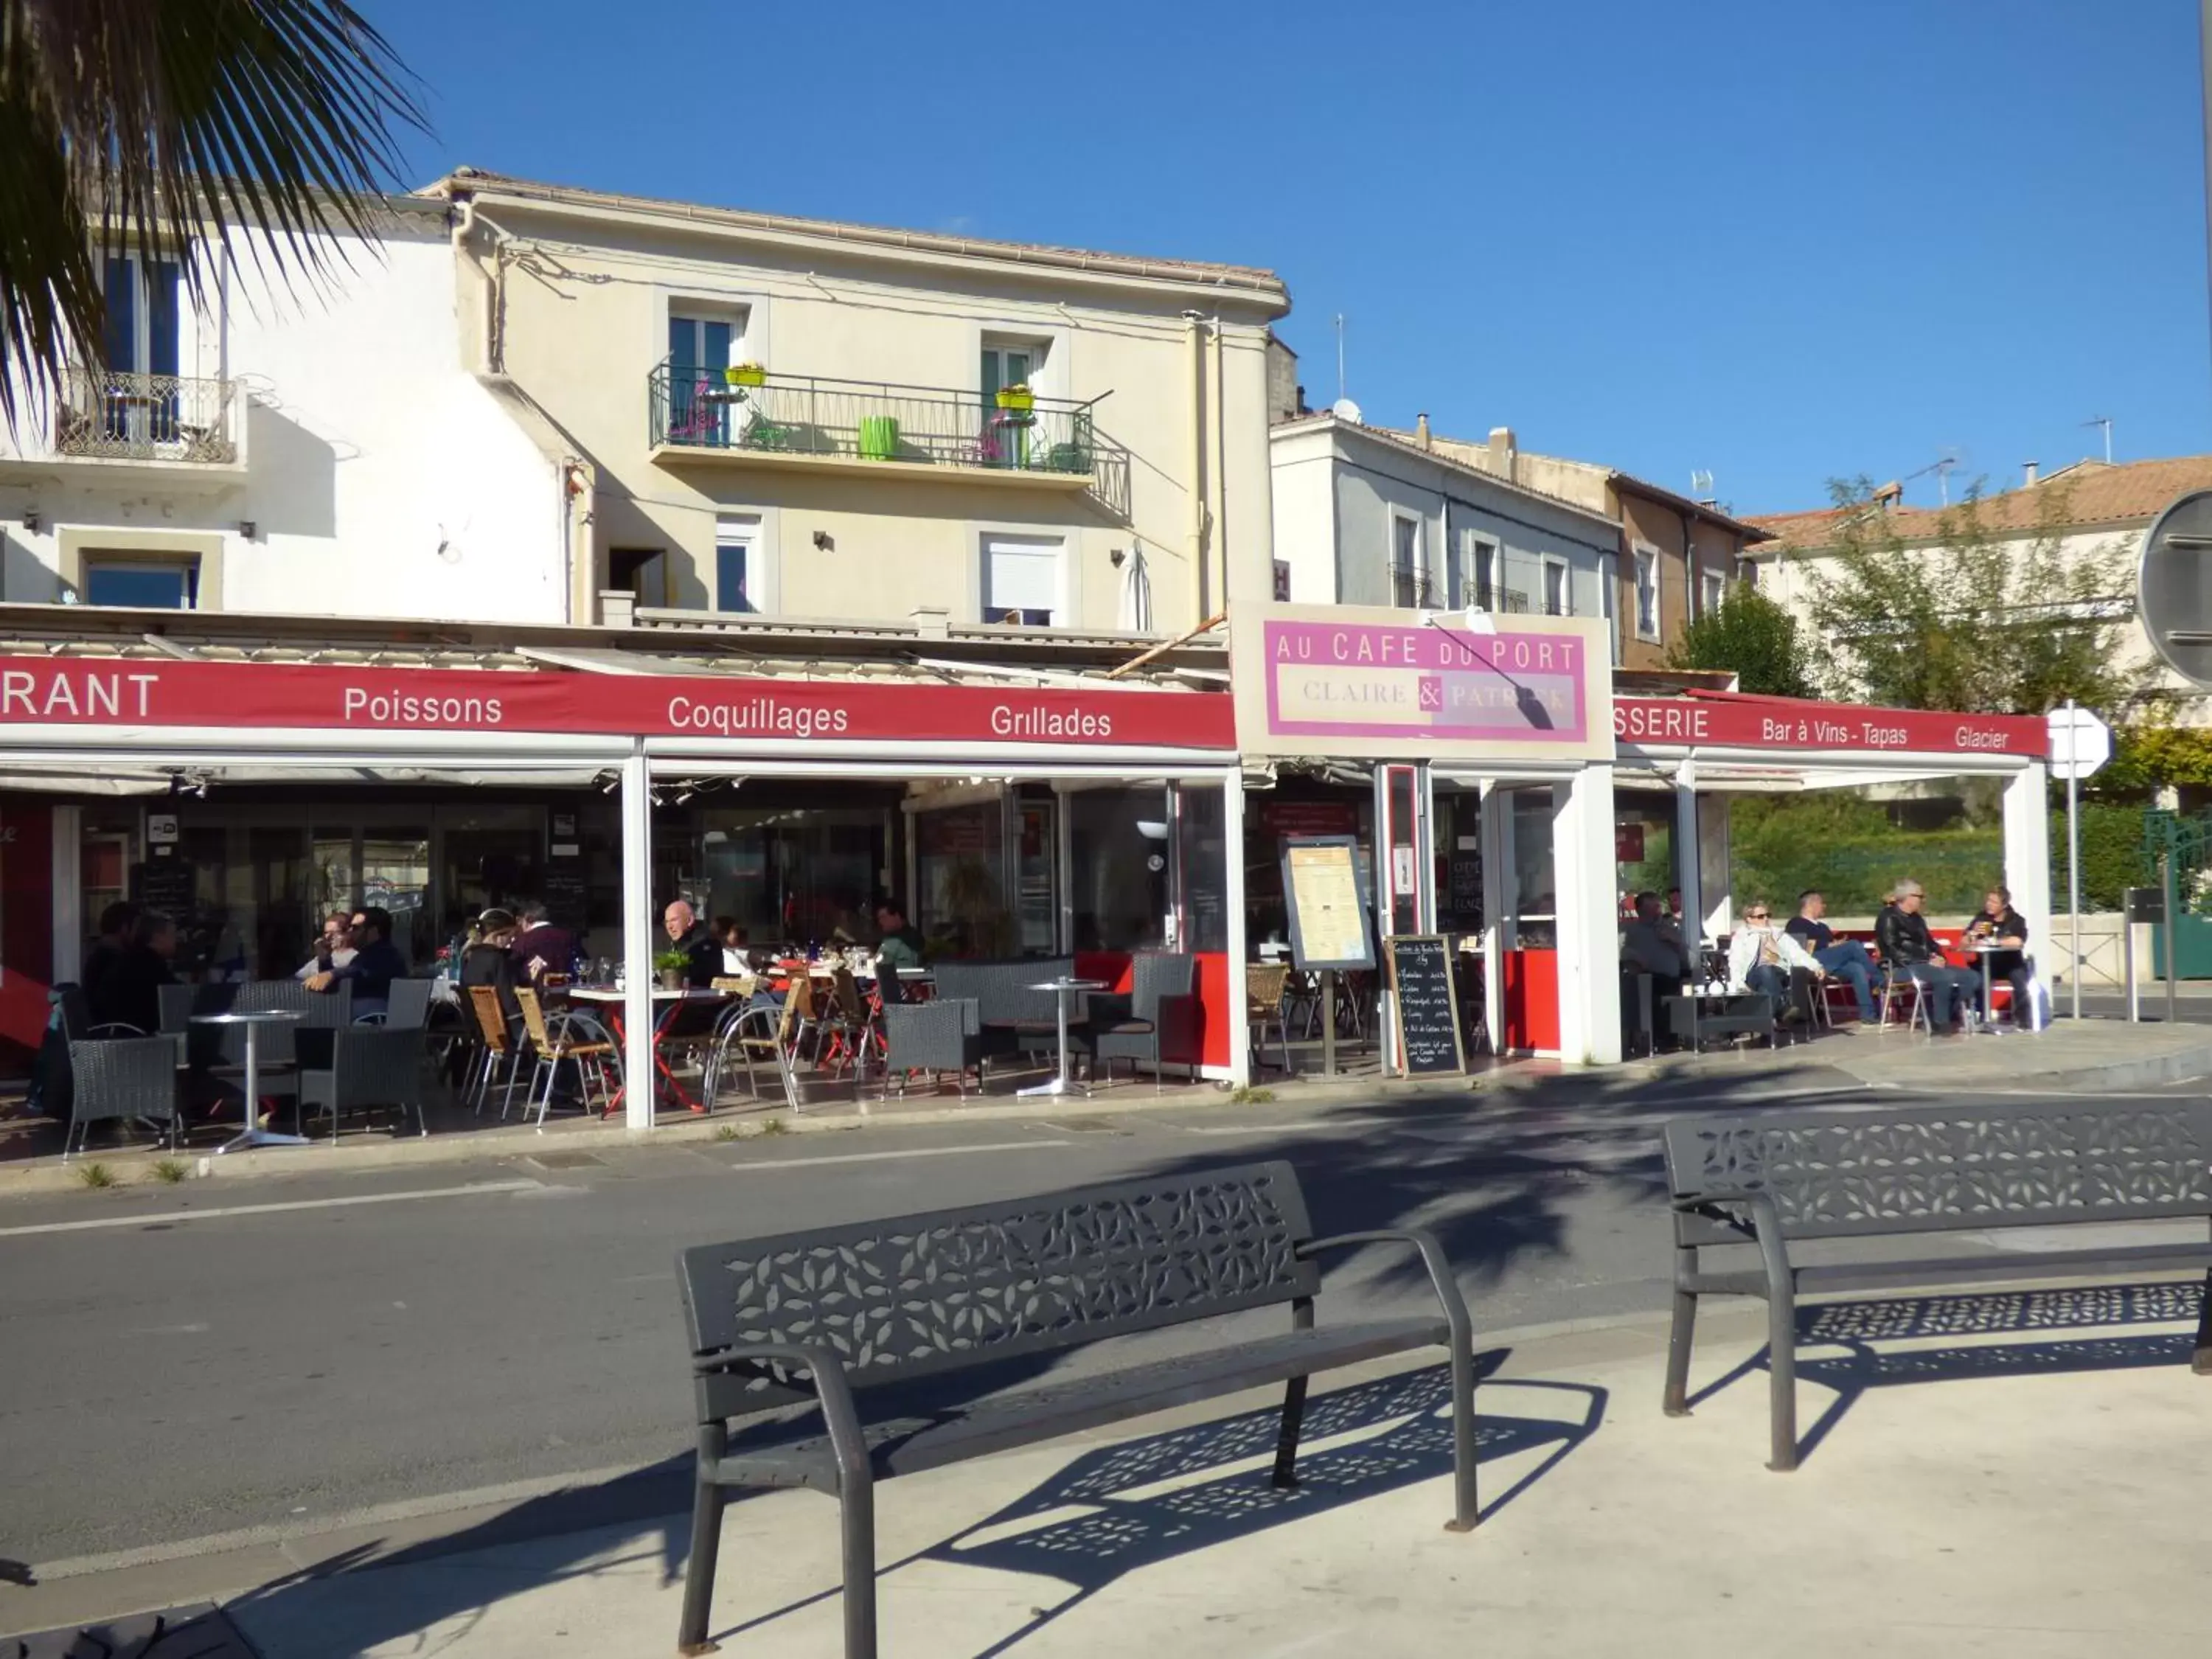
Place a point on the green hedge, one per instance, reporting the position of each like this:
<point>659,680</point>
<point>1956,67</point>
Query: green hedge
<point>1846,845</point>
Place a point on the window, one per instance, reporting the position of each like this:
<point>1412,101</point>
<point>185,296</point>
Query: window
<point>1474,578</point>
<point>151,584</point>
<point>1409,580</point>
<point>141,333</point>
<point>1558,601</point>
<point>1009,364</point>
<point>1713,591</point>
<point>734,564</point>
<point>1647,593</point>
<point>1608,599</point>
<point>1021,581</point>
<point>699,348</point>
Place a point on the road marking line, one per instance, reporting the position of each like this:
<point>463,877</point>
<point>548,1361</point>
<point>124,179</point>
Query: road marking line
<point>153,1217</point>
<point>878,1157</point>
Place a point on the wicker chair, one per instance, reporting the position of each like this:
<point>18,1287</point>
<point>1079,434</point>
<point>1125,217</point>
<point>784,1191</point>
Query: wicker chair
<point>1158,1021</point>
<point>126,1078</point>
<point>555,1044</point>
<point>359,1067</point>
<point>943,1036</point>
<point>406,1007</point>
<point>1266,984</point>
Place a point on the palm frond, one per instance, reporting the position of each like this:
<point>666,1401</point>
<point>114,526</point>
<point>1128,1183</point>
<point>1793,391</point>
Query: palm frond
<point>153,124</point>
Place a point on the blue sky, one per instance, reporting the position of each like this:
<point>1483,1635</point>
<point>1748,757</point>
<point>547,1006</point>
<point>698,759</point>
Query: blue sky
<point>1778,241</point>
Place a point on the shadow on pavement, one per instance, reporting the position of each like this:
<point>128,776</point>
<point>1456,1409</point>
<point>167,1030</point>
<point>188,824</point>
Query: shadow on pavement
<point>1855,1327</point>
<point>1145,1501</point>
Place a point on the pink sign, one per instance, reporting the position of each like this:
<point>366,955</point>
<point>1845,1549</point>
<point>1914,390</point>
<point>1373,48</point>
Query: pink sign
<point>1343,679</point>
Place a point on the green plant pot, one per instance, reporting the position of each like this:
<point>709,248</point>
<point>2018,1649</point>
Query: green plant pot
<point>880,438</point>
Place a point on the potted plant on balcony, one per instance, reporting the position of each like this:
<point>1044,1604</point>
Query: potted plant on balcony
<point>674,967</point>
<point>1017,396</point>
<point>745,374</point>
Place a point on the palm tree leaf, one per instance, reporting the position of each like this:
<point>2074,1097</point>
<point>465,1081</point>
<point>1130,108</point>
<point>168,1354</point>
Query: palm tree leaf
<point>156,125</point>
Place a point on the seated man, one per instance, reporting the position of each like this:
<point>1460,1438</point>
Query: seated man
<point>1900,932</point>
<point>1764,958</point>
<point>1846,959</point>
<point>900,940</point>
<point>376,963</point>
<point>2000,925</point>
<point>1653,945</point>
<point>541,946</point>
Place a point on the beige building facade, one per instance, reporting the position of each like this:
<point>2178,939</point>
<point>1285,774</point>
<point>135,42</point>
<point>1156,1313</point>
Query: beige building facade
<point>798,420</point>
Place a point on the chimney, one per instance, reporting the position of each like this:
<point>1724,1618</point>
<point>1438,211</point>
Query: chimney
<point>1890,495</point>
<point>617,608</point>
<point>931,621</point>
<point>1502,452</point>
<point>1421,430</point>
<point>2033,470</point>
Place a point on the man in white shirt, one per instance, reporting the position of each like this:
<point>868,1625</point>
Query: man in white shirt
<point>1764,958</point>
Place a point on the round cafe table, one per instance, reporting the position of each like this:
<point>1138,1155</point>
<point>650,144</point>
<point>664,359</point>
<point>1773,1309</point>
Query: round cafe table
<point>1064,1083</point>
<point>251,1134</point>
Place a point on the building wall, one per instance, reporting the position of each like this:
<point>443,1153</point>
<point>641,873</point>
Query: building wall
<point>380,476</point>
<point>584,329</point>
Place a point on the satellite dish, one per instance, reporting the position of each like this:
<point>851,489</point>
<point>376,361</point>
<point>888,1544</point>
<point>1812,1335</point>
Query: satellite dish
<point>1345,409</point>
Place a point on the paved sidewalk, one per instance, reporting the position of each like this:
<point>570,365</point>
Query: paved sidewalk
<point>2023,1474</point>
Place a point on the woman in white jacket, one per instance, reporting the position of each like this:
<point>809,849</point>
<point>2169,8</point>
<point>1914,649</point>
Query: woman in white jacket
<point>1762,958</point>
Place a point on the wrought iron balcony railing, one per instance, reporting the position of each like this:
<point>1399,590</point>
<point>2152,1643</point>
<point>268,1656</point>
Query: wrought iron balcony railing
<point>111,415</point>
<point>755,413</point>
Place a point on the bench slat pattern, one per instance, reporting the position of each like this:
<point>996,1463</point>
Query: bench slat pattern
<point>901,1300</point>
<point>1834,1176</point>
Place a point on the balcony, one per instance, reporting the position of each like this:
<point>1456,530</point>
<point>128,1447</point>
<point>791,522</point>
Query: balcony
<point>139,426</point>
<point>814,423</point>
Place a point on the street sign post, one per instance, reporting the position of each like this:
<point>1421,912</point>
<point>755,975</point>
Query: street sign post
<point>2080,744</point>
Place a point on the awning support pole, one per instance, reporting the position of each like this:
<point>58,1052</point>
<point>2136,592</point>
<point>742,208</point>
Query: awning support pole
<point>637,940</point>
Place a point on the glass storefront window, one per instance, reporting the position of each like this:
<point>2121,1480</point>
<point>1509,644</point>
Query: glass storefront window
<point>395,873</point>
<point>1201,855</point>
<point>793,876</point>
<point>960,879</point>
<point>1119,875</point>
<point>1535,890</point>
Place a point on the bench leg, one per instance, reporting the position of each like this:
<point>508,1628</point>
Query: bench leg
<point>2200,1361</point>
<point>856,1500</point>
<point>1464,1507</point>
<point>705,1544</point>
<point>1286,1443</point>
<point>1676,1401</point>
<point>1782,1380</point>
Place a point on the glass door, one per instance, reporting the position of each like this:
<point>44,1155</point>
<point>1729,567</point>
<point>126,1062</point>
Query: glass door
<point>1036,824</point>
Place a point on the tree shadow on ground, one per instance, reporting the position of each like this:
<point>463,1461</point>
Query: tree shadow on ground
<point>1986,1317</point>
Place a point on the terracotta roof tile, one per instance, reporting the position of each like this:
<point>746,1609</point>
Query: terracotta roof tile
<point>2088,493</point>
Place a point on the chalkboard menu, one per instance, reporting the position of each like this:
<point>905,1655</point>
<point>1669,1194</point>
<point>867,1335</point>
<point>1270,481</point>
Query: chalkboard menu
<point>567,896</point>
<point>170,885</point>
<point>1425,1004</point>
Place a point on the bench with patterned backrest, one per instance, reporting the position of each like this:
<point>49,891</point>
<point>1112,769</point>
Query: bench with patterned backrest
<point>905,1333</point>
<point>1771,1180</point>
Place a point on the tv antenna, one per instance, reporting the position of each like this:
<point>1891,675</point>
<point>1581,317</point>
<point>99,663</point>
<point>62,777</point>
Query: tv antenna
<point>1340,357</point>
<point>1701,484</point>
<point>1942,466</point>
<point>2106,421</point>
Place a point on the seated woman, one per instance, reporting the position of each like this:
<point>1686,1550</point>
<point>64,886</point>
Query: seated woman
<point>2000,925</point>
<point>1763,958</point>
<point>488,959</point>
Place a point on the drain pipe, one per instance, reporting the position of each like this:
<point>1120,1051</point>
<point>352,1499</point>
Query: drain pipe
<point>1193,324</point>
<point>1220,467</point>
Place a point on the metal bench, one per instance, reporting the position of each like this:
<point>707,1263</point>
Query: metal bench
<point>1770,1181</point>
<point>938,1303</point>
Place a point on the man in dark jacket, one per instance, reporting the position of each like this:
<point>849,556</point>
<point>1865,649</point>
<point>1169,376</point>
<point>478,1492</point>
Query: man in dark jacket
<point>116,923</point>
<point>1901,934</point>
<point>131,989</point>
<point>376,963</point>
<point>541,948</point>
<point>702,950</point>
<point>2000,927</point>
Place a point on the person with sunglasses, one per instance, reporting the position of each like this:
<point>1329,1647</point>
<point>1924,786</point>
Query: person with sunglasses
<point>1765,959</point>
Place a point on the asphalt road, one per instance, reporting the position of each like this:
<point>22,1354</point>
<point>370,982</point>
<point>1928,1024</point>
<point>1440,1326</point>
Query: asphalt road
<point>164,1379</point>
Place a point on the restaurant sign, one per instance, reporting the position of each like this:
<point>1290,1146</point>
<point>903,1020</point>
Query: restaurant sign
<point>1340,680</point>
<point>1782,723</point>
<point>237,696</point>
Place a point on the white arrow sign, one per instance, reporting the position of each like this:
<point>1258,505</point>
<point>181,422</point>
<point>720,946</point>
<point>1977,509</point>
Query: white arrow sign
<point>2079,743</point>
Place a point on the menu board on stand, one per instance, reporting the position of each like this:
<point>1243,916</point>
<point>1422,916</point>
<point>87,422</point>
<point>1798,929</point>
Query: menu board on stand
<point>1425,1004</point>
<point>1329,932</point>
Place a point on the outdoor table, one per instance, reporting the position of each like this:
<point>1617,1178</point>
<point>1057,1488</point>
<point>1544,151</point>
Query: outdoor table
<point>1988,1021</point>
<point>1062,990</point>
<point>1723,1019</point>
<point>252,1134</point>
<point>669,1004</point>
